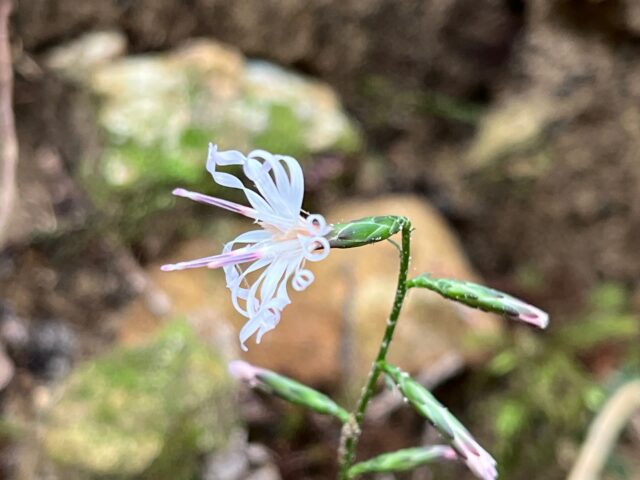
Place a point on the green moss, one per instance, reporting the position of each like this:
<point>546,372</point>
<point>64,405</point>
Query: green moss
<point>349,142</point>
<point>196,139</point>
<point>130,413</point>
<point>131,165</point>
<point>284,132</point>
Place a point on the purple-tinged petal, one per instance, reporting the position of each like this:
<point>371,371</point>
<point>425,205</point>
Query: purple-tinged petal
<point>241,255</point>
<point>217,202</point>
<point>533,315</point>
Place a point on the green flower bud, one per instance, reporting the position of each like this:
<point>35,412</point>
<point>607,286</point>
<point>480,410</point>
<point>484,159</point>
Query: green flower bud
<point>403,460</point>
<point>364,231</point>
<point>477,459</point>
<point>287,389</point>
<point>484,298</point>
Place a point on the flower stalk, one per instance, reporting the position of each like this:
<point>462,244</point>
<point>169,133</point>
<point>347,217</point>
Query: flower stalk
<point>351,430</point>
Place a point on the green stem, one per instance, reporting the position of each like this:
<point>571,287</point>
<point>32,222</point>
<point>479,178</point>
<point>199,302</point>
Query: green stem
<point>351,430</point>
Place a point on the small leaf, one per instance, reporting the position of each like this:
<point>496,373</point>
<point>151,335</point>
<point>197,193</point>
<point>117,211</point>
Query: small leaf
<point>481,297</point>
<point>364,231</point>
<point>403,460</point>
<point>287,389</point>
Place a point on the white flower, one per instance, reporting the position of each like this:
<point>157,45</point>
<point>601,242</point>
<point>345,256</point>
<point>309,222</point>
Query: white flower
<point>280,248</point>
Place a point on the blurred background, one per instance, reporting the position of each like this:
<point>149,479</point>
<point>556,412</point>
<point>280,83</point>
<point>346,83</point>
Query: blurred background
<point>507,130</point>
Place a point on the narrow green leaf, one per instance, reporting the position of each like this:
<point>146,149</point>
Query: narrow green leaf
<point>481,297</point>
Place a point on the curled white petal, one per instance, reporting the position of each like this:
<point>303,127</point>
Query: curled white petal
<point>317,225</point>
<point>316,249</point>
<point>259,265</point>
<point>302,279</point>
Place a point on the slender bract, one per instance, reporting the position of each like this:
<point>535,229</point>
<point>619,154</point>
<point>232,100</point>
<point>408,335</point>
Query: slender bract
<point>484,298</point>
<point>403,460</point>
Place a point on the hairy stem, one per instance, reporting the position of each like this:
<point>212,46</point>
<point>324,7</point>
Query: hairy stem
<point>351,430</point>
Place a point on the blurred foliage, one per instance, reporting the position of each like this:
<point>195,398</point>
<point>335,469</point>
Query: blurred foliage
<point>390,101</point>
<point>542,388</point>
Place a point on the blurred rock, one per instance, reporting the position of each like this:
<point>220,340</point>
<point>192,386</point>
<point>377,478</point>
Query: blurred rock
<point>269,472</point>
<point>258,454</point>
<point>7,369</point>
<point>631,16</point>
<point>158,112</point>
<point>146,412</point>
<point>46,348</point>
<point>330,333</point>
<point>13,329</point>
<point>49,202</point>
<point>88,51</point>
<point>51,348</point>
<point>240,460</point>
<point>515,128</point>
<point>229,463</point>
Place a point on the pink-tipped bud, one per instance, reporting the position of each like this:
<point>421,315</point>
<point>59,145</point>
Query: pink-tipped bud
<point>180,192</point>
<point>245,372</point>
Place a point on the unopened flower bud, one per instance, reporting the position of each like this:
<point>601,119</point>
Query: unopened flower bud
<point>287,389</point>
<point>483,298</point>
<point>364,231</point>
<point>403,460</point>
<point>477,459</point>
